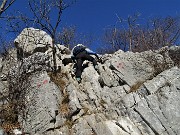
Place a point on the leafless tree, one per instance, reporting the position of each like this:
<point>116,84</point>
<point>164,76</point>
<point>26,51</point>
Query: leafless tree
<point>154,34</point>
<point>44,14</point>
<point>113,40</point>
<point>158,33</point>
<point>42,11</point>
<point>67,36</point>
<point>5,4</point>
<point>18,77</point>
<point>15,88</point>
<point>116,38</point>
<point>132,25</point>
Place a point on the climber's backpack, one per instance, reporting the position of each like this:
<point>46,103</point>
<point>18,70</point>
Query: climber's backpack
<point>78,49</point>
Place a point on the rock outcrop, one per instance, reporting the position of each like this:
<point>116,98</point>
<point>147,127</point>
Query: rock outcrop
<point>32,40</point>
<point>131,94</point>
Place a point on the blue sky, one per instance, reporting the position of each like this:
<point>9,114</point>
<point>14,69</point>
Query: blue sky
<point>93,16</point>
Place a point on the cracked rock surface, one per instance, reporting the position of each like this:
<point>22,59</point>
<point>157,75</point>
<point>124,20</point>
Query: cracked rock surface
<point>129,95</point>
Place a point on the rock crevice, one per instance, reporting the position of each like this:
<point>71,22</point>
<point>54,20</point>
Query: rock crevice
<point>131,94</point>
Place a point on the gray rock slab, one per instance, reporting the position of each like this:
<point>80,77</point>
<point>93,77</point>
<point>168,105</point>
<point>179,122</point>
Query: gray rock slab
<point>43,101</point>
<point>32,40</point>
<point>149,117</point>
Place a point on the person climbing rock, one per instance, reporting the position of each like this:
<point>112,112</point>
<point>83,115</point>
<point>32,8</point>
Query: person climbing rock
<point>79,54</point>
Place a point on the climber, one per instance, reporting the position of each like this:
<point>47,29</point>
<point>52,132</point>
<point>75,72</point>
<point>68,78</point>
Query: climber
<point>80,53</point>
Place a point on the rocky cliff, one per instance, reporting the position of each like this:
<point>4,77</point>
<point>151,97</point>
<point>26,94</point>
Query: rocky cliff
<point>131,94</point>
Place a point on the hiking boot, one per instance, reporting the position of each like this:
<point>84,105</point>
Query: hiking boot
<point>78,79</point>
<point>96,67</point>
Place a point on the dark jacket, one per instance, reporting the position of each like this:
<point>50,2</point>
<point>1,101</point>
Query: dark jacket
<point>80,48</point>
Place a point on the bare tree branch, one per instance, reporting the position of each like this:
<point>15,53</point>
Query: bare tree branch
<point>4,5</point>
<point>158,32</point>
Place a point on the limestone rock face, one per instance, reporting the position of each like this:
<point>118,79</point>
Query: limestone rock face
<point>130,94</point>
<point>61,53</point>
<point>32,40</point>
<point>2,131</point>
<point>43,101</point>
<point>128,67</point>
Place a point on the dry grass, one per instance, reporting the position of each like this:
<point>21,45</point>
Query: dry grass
<point>102,103</point>
<point>136,86</point>
<point>69,123</point>
<point>175,56</point>
<point>10,118</point>
<point>9,127</point>
<point>64,108</point>
<point>8,113</point>
<point>60,79</point>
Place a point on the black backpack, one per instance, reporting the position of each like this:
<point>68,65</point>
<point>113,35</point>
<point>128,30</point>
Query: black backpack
<point>78,49</point>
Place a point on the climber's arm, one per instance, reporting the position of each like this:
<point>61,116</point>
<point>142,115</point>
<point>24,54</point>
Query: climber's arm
<point>91,52</point>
